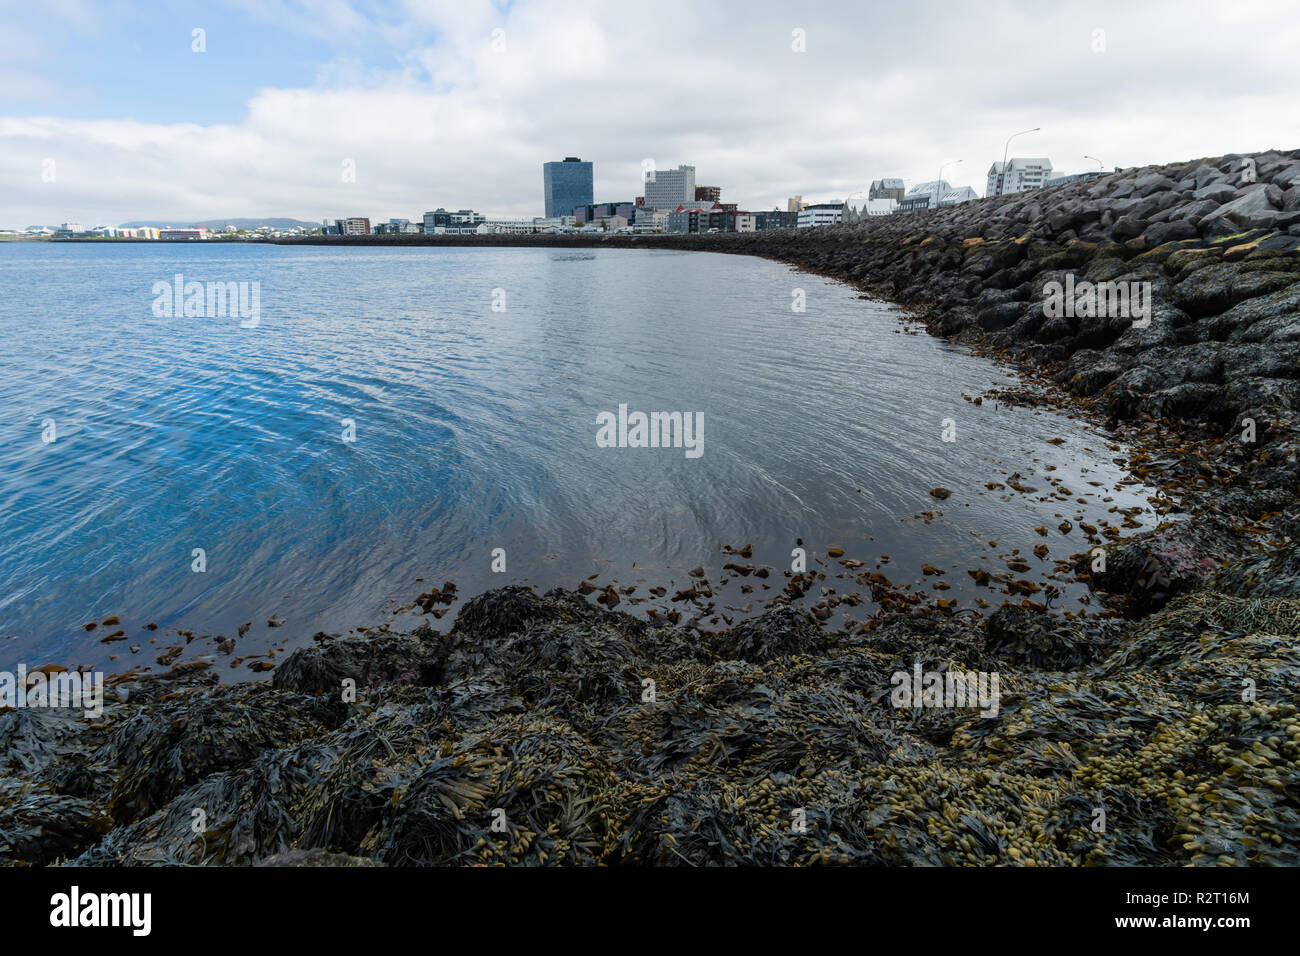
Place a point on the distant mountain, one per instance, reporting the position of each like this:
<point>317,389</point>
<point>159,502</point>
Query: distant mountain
<point>223,223</point>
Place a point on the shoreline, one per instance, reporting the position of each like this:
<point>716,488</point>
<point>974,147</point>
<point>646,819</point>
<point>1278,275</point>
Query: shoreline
<point>1177,720</point>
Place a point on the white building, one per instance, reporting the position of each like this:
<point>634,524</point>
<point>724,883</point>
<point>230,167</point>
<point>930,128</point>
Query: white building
<point>669,188</point>
<point>650,220</point>
<point>820,214</point>
<point>506,227</point>
<point>936,193</point>
<point>554,223</point>
<point>746,222</point>
<point>858,207</point>
<point>1017,176</point>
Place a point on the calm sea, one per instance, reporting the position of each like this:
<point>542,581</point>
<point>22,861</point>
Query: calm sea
<point>398,414</point>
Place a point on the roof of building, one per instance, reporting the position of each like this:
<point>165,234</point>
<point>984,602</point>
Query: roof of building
<point>1020,162</point>
<point>936,185</point>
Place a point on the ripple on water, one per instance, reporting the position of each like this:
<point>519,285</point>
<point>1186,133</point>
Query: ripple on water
<point>476,430</point>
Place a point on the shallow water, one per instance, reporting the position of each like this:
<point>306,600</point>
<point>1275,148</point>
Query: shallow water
<point>475,430</point>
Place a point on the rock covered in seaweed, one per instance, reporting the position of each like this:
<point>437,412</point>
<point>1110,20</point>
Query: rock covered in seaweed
<point>561,733</point>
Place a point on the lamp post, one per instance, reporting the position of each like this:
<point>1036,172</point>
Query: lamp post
<point>951,162</point>
<point>1002,182</point>
<point>1097,161</point>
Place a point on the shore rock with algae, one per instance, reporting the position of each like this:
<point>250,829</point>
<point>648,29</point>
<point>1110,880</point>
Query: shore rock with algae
<point>538,744</point>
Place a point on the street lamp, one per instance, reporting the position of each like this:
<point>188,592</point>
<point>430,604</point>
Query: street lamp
<point>1097,161</point>
<point>951,162</point>
<point>1002,183</point>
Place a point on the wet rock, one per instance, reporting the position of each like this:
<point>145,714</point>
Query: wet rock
<point>417,658</point>
<point>1254,210</point>
<point>1154,566</point>
<point>317,858</point>
<point>1020,635</point>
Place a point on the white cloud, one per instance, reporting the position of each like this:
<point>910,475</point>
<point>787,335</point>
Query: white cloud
<point>882,90</point>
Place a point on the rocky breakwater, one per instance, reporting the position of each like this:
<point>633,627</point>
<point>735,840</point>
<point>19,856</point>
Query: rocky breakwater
<point>1206,380</point>
<point>1216,239</point>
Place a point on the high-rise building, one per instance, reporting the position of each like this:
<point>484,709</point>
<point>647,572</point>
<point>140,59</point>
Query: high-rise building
<point>1017,176</point>
<point>566,186</point>
<point>669,188</point>
<point>795,204</point>
<point>708,193</point>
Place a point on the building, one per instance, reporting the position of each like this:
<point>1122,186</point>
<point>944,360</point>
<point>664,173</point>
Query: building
<point>820,214</point>
<point>708,193</point>
<point>776,219</point>
<point>397,227</point>
<point>355,226</point>
<point>958,195</point>
<point>745,222</point>
<point>934,194</point>
<point>650,220</point>
<point>566,186</point>
<point>859,206</point>
<point>886,189</point>
<point>795,204</point>
<point>510,227</point>
<point>198,232</point>
<point>554,224</point>
<point>691,217</point>
<point>670,188</point>
<point>435,220</point>
<point>1017,176</point>
<point>603,210</point>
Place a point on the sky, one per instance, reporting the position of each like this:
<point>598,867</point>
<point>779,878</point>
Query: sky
<point>112,111</point>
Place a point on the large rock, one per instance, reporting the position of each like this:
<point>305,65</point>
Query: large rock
<point>1219,192</point>
<point>1163,232</point>
<point>1150,568</point>
<point>1128,228</point>
<point>1152,183</point>
<point>1254,210</point>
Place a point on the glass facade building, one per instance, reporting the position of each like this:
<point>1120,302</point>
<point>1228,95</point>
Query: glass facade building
<point>567,185</point>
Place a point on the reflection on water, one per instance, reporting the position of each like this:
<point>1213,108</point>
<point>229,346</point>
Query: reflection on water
<point>475,429</point>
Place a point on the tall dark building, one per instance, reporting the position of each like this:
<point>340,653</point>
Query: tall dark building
<point>566,186</point>
<point>708,193</point>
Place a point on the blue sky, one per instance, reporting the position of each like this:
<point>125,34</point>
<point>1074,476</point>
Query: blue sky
<point>135,60</point>
<point>107,115</point>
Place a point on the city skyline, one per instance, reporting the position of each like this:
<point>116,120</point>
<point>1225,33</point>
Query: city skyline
<point>333,110</point>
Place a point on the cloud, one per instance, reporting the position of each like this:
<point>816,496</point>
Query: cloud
<point>447,117</point>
